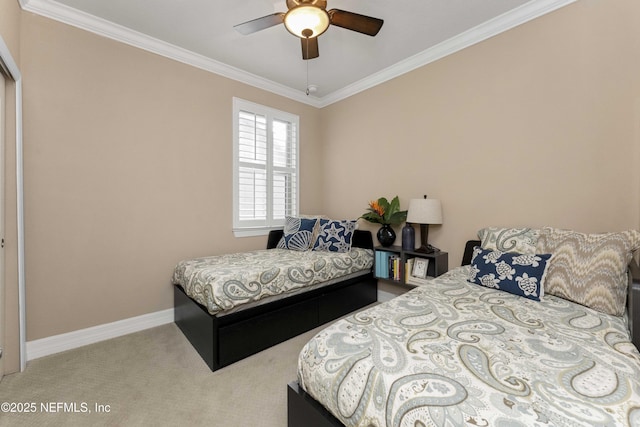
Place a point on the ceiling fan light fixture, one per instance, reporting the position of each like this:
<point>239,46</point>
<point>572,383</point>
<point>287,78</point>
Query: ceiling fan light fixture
<point>306,21</point>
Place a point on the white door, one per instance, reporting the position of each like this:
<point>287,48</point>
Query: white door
<point>2,132</point>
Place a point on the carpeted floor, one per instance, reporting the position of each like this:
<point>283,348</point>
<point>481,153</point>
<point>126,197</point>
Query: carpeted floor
<point>151,378</point>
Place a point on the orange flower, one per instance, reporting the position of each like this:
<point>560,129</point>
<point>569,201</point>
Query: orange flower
<point>376,207</point>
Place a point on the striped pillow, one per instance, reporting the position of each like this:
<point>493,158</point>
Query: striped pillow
<point>589,269</point>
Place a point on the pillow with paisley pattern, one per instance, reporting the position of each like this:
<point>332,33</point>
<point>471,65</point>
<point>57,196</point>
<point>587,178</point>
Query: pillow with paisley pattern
<point>521,240</point>
<point>298,234</point>
<point>518,274</point>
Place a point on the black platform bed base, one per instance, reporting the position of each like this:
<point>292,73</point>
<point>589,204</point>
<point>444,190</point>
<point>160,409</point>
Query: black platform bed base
<point>304,411</point>
<point>223,340</point>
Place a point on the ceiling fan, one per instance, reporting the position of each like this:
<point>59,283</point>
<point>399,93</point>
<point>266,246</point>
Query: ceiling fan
<point>308,19</point>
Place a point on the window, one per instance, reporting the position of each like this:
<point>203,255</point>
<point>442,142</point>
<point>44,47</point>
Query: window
<point>265,172</point>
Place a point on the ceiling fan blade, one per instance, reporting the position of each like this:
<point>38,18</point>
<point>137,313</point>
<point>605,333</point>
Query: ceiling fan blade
<point>310,48</point>
<point>355,22</point>
<point>258,24</point>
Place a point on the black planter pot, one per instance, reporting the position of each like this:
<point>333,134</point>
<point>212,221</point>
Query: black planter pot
<point>386,236</point>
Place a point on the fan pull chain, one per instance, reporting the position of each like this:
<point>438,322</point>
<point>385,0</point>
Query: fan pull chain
<point>307,61</point>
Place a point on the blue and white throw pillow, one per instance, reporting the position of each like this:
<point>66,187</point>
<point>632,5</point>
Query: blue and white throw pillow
<point>334,236</point>
<point>298,234</point>
<point>519,274</point>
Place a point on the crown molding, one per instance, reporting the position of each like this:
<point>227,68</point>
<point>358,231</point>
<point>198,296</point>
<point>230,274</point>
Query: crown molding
<point>484,31</point>
<point>68,15</point>
<point>65,14</point>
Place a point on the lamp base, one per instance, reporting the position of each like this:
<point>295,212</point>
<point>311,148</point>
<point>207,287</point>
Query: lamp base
<point>428,249</point>
<point>425,247</point>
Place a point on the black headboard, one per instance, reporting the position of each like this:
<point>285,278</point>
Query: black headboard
<point>274,238</point>
<point>468,251</point>
<point>361,239</point>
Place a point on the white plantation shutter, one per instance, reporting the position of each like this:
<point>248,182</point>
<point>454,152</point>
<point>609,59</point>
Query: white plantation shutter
<point>252,164</point>
<point>285,170</point>
<point>265,167</point>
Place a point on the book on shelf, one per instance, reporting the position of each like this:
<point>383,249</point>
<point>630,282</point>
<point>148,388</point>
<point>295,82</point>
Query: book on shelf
<point>397,268</point>
<point>408,266</point>
<point>387,265</point>
<point>394,267</point>
<point>382,264</point>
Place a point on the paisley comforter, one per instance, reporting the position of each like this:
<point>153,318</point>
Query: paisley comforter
<point>452,353</point>
<point>226,282</point>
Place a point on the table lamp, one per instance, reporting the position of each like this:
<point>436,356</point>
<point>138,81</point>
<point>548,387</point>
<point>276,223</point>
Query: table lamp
<point>424,212</point>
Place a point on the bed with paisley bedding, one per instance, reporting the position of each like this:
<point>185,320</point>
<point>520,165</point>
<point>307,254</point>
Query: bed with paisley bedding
<point>540,334</point>
<point>234,305</point>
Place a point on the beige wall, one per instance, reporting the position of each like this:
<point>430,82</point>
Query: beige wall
<point>128,168</point>
<point>128,155</point>
<point>10,25</point>
<point>537,126</point>
<point>10,33</point>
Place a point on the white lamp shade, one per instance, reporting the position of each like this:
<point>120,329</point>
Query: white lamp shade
<point>301,18</point>
<point>424,211</point>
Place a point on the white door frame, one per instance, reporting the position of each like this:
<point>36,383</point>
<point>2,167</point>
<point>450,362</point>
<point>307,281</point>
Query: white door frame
<point>14,74</point>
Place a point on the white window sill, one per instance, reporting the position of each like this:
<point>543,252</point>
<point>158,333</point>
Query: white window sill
<point>251,232</point>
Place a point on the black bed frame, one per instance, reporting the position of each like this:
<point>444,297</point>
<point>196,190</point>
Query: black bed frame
<point>304,411</point>
<point>226,339</point>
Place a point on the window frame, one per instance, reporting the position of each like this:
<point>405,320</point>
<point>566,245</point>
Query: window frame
<point>246,228</point>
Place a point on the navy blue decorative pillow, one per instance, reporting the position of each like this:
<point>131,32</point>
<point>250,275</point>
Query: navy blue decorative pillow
<point>334,236</point>
<point>519,274</point>
<point>298,234</point>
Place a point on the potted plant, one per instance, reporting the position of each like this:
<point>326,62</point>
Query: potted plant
<point>386,213</point>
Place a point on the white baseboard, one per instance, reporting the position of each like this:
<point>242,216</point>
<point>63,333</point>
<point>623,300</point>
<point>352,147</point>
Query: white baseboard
<point>70,340</point>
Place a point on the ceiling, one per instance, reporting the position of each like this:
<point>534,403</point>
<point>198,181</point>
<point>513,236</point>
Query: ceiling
<point>201,33</point>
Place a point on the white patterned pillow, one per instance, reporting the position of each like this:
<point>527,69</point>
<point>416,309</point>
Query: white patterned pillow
<point>520,240</point>
<point>298,234</point>
<point>518,274</point>
<point>590,269</point>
